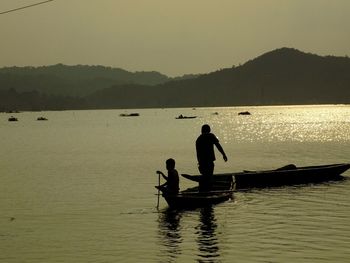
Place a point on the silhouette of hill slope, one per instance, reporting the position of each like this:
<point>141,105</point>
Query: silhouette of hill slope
<point>79,80</point>
<point>282,76</point>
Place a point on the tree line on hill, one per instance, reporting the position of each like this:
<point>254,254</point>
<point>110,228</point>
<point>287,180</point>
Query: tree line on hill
<point>280,77</point>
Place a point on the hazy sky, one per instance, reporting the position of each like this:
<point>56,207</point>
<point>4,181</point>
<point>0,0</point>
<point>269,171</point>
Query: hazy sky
<point>174,37</point>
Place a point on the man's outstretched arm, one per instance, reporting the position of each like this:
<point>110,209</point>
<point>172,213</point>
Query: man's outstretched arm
<point>221,150</point>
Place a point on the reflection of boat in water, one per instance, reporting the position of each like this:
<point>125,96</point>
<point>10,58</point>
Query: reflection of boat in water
<point>174,229</point>
<point>286,175</point>
<point>12,119</point>
<point>170,230</point>
<point>208,243</point>
<point>41,119</point>
<point>221,190</point>
<point>185,117</point>
<point>135,114</point>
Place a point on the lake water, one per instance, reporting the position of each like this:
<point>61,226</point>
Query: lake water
<point>80,187</point>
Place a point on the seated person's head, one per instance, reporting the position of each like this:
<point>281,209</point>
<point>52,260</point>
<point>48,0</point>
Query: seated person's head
<point>170,164</point>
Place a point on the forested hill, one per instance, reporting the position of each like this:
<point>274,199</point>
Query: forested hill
<point>282,76</point>
<point>79,80</point>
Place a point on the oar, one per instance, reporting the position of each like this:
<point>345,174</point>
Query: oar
<point>158,190</point>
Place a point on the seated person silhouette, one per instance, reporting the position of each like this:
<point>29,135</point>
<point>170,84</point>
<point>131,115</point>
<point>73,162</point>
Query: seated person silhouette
<point>171,186</point>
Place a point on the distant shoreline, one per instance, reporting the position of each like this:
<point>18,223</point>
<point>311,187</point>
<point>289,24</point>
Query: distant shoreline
<point>190,108</point>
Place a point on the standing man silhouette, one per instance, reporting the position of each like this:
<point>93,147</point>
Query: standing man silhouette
<point>206,155</point>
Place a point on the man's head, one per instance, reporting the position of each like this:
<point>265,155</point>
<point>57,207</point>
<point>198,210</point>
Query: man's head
<point>205,128</point>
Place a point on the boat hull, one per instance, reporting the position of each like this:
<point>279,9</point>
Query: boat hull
<point>280,177</point>
<point>221,190</point>
<point>197,199</point>
<point>284,176</point>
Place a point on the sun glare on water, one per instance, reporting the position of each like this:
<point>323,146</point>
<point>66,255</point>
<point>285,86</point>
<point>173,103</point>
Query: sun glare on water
<point>286,124</point>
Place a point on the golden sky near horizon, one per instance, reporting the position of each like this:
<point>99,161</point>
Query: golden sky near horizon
<point>172,37</point>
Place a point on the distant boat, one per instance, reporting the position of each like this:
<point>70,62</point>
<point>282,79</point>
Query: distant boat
<point>12,119</point>
<point>244,113</point>
<point>129,114</point>
<point>41,119</point>
<point>185,117</point>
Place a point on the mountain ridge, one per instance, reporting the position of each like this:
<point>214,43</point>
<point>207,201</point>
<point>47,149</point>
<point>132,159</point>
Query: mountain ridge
<point>282,76</point>
<point>77,80</point>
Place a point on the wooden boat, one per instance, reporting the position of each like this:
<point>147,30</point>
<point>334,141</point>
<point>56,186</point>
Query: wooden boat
<point>221,190</point>
<point>290,175</point>
<point>244,113</point>
<point>180,117</point>
<point>12,119</point>
<point>135,114</point>
<point>286,175</point>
